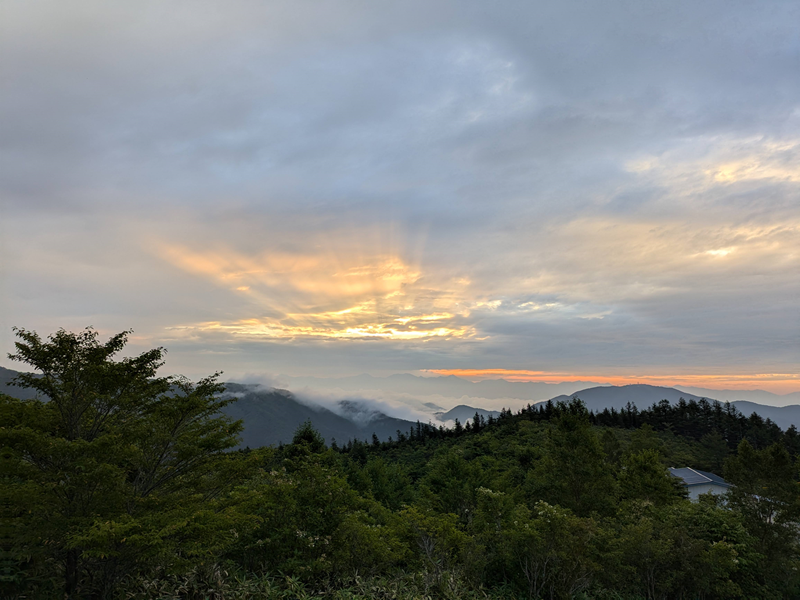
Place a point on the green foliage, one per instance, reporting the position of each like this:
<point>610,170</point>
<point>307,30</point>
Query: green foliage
<point>766,493</point>
<point>390,483</point>
<point>114,469</point>
<point>306,441</point>
<point>714,452</point>
<point>450,484</point>
<point>573,472</point>
<point>548,550</point>
<point>684,550</point>
<point>443,550</point>
<point>611,447</point>
<point>117,483</point>
<point>644,439</point>
<point>643,477</point>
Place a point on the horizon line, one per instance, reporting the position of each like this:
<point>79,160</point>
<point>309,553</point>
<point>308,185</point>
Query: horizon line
<point>779,384</point>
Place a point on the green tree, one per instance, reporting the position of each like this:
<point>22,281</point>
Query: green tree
<point>306,442</point>
<point>766,492</point>
<point>113,466</point>
<point>715,451</point>
<point>611,447</point>
<point>551,550</point>
<point>573,472</point>
<point>684,550</point>
<point>310,522</point>
<point>642,476</point>
<point>490,528</point>
<point>443,549</point>
<point>389,482</point>
<point>645,438</point>
<point>450,484</point>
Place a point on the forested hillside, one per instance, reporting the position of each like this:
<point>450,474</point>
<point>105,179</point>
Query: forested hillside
<point>124,485</point>
<point>270,417</point>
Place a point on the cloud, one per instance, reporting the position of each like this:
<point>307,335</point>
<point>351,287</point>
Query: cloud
<point>263,380</point>
<point>333,290</point>
<point>367,187</point>
<point>776,382</point>
<point>363,406</point>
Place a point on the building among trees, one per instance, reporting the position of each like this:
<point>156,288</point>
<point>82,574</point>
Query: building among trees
<point>700,482</point>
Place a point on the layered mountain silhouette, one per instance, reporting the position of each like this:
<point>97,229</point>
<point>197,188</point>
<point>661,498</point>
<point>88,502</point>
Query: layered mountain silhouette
<point>464,413</point>
<point>757,396</point>
<point>644,396</point>
<point>271,416</point>
<point>6,377</point>
<point>450,385</point>
<point>491,389</point>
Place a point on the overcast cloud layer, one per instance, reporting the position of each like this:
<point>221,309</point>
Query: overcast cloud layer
<point>343,187</point>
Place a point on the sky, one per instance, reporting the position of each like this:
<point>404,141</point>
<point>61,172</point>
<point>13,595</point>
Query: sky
<point>544,191</point>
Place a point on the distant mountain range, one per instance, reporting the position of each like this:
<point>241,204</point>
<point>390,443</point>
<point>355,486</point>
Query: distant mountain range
<point>643,396</point>
<point>757,396</point>
<point>271,415</point>
<point>6,375</point>
<point>451,386</point>
<point>464,413</point>
<point>490,389</point>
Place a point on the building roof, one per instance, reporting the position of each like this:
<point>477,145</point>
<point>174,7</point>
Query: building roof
<point>694,477</point>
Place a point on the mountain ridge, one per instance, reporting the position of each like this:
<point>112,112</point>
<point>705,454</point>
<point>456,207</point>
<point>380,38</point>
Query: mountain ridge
<point>600,398</point>
<point>533,391</point>
<point>272,415</point>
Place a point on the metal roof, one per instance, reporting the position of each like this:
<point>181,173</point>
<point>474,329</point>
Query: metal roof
<point>694,477</point>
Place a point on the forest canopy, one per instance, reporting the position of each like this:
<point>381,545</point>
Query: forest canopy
<point>120,483</point>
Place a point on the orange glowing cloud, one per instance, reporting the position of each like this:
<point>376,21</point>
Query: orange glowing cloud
<point>274,329</point>
<point>326,295</point>
<point>774,382</point>
<point>317,274</point>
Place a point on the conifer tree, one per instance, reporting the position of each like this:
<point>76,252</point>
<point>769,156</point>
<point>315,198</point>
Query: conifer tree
<point>113,465</point>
